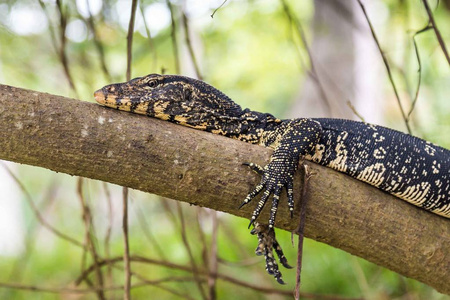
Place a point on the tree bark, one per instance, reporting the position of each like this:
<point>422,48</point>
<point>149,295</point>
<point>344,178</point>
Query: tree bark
<point>84,139</point>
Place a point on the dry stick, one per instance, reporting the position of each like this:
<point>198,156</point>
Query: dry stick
<point>214,12</point>
<point>436,30</point>
<point>130,38</point>
<point>223,277</point>
<point>314,75</point>
<point>189,251</point>
<point>301,228</point>
<point>202,238</point>
<point>149,37</point>
<point>97,43</point>
<point>62,50</point>
<point>17,270</point>
<point>108,231</point>
<point>189,45</point>
<point>143,223</point>
<point>244,263</point>
<point>126,254</point>
<point>50,26</point>
<point>87,218</point>
<point>157,282</point>
<point>211,282</point>
<point>174,37</point>
<point>213,261</point>
<point>350,105</point>
<point>388,68</point>
<point>416,49</point>
<point>33,288</point>
<point>230,234</point>
<point>36,210</point>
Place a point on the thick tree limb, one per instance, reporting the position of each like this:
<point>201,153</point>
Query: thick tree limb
<point>84,139</point>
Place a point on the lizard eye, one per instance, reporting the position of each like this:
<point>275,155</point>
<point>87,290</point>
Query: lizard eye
<point>152,83</point>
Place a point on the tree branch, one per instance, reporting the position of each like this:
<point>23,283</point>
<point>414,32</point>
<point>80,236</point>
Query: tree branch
<point>154,156</point>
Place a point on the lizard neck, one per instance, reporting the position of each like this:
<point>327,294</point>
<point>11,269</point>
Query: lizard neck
<point>249,126</point>
<point>215,112</point>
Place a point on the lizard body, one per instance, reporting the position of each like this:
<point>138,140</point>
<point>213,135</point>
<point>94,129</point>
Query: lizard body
<point>408,167</point>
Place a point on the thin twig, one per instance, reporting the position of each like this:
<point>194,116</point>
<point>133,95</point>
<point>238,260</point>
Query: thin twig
<point>130,38</point>
<point>108,231</point>
<point>350,105</point>
<point>214,12</point>
<point>313,72</point>
<point>50,26</point>
<point>144,224</point>
<point>34,288</point>
<point>17,271</point>
<point>37,213</point>
<point>230,279</point>
<point>202,237</point>
<point>157,282</point>
<point>436,30</point>
<point>189,45</point>
<point>189,251</point>
<point>62,50</point>
<point>97,42</point>
<point>149,36</point>
<point>301,228</point>
<point>174,37</point>
<point>126,254</point>
<point>241,263</point>
<point>419,62</point>
<point>90,244</point>
<point>388,68</point>
<point>213,261</point>
<point>234,240</point>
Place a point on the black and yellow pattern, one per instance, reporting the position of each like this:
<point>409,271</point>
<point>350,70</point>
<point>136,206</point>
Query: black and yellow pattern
<point>405,166</point>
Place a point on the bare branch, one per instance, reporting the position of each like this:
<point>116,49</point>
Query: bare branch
<point>130,38</point>
<point>214,12</point>
<point>189,45</point>
<point>126,248</point>
<point>149,37</point>
<point>388,68</point>
<point>89,237</point>
<point>173,30</point>
<point>436,30</point>
<point>98,44</point>
<point>313,72</point>
<point>171,265</point>
<point>62,54</point>
<point>189,251</point>
<point>38,214</point>
<point>301,227</point>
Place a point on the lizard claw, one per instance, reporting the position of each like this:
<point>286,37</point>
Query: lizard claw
<point>266,244</point>
<point>254,167</point>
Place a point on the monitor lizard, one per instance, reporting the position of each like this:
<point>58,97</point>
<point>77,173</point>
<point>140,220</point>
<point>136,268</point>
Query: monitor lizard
<point>405,166</point>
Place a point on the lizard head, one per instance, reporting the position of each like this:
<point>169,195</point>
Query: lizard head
<point>178,99</point>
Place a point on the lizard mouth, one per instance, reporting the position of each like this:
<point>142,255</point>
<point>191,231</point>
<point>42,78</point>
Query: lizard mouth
<point>102,98</point>
<point>121,103</point>
<point>111,100</point>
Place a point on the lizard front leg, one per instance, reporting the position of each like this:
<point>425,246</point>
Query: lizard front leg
<point>291,141</point>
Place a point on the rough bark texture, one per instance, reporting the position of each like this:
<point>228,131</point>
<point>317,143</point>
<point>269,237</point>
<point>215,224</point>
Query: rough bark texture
<point>154,156</point>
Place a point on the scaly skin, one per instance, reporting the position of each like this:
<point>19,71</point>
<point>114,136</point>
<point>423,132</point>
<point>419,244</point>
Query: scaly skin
<point>408,167</point>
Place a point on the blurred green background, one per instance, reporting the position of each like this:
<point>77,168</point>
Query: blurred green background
<point>253,51</point>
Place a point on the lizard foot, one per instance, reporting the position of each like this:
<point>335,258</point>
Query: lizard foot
<point>266,243</point>
<point>276,176</point>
